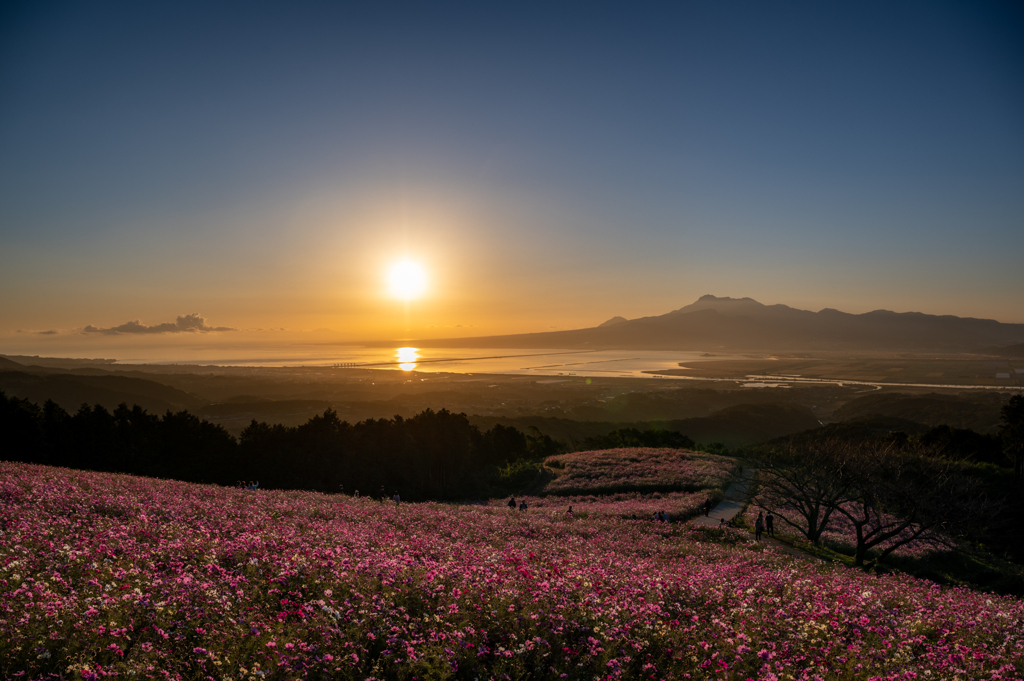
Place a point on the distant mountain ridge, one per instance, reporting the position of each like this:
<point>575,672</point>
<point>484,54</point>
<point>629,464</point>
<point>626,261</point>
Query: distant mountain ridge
<point>743,324</point>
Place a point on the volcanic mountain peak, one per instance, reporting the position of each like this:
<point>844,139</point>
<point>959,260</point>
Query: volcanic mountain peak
<point>613,321</point>
<point>736,307</point>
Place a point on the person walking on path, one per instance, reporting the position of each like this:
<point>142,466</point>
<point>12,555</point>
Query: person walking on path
<point>758,526</point>
<point>707,507</point>
<point>769,524</point>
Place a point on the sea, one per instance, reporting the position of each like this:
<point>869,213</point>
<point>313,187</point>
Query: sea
<point>551,363</point>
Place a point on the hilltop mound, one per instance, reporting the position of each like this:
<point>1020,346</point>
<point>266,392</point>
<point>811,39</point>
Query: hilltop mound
<point>638,469</point>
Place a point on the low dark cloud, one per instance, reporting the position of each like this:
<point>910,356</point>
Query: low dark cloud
<point>190,323</point>
<point>47,333</point>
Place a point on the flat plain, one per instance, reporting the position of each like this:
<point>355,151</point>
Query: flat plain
<point>911,371</point>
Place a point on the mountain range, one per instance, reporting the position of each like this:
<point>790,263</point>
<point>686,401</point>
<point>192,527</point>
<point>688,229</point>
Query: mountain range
<point>743,324</point>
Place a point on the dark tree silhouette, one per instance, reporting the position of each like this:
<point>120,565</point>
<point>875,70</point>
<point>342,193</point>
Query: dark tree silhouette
<point>1011,430</point>
<point>905,497</point>
<point>433,455</point>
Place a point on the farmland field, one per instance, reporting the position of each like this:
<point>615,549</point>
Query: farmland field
<point>908,370</point>
<point>107,574</point>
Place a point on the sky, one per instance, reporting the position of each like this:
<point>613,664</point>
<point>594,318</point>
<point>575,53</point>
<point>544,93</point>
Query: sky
<point>178,172</point>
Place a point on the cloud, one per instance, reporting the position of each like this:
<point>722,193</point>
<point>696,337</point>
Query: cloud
<point>47,333</point>
<point>190,323</point>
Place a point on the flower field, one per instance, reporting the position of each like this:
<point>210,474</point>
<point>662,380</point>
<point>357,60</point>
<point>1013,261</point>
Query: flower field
<point>841,535</point>
<point>638,469</point>
<point>679,505</point>
<point>109,574</point>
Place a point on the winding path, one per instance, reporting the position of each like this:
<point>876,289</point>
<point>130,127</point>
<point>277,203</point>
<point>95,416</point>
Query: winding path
<point>734,501</point>
<point>736,496</point>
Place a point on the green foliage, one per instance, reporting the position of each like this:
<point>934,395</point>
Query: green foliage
<point>735,425</point>
<point>941,441</point>
<point>1011,430</point>
<point>960,443</point>
<point>976,569</point>
<point>541,446</point>
<point>517,476</point>
<point>632,437</point>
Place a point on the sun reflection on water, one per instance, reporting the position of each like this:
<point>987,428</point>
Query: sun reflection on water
<point>407,358</point>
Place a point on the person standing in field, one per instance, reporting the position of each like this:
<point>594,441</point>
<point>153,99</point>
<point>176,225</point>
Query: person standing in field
<point>397,499</point>
<point>769,524</point>
<point>512,503</point>
<point>758,526</point>
<point>522,505</point>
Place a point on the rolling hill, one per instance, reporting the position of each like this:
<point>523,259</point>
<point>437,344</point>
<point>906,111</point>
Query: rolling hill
<point>71,391</point>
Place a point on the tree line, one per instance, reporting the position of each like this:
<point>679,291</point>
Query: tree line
<point>433,455</point>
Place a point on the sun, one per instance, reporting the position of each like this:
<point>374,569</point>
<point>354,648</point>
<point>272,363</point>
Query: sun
<point>406,280</point>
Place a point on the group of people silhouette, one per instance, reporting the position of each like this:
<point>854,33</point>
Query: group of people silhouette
<point>764,523</point>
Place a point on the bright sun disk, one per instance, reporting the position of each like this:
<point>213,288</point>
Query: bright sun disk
<point>406,280</point>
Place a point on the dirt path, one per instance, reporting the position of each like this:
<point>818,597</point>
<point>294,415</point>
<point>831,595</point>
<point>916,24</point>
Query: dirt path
<point>736,496</point>
<point>734,501</point>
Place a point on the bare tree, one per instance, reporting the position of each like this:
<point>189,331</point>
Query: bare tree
<point>891,497</point>
<point>804,483</point>
<point>904,498</point>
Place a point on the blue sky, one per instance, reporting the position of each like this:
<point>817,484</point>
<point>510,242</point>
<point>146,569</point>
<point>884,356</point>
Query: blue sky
<point>262,163</point>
